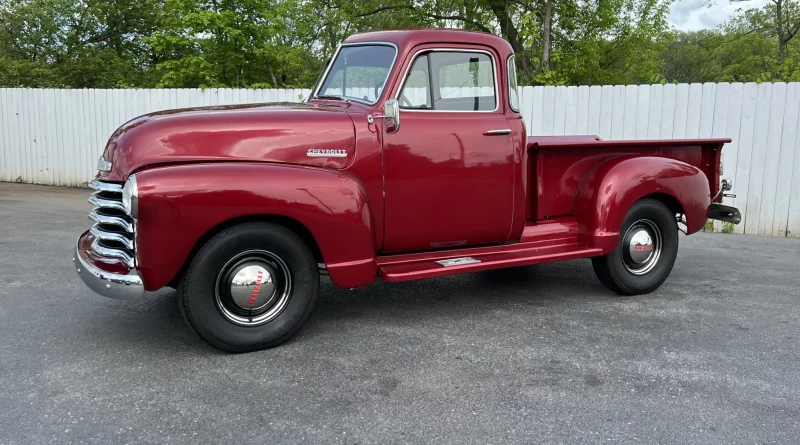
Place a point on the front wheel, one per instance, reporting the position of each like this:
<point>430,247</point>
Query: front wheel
<point>250,287</point>
<point>646,250</point>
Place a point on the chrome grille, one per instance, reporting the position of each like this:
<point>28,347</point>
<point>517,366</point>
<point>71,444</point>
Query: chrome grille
<point>114,230</point>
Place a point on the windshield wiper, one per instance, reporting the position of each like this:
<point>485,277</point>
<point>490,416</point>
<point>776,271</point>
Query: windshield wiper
<point>330,96</point>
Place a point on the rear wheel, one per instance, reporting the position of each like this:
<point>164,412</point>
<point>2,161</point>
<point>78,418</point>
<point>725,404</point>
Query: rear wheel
<point>646,250</point>
<point>250,287</point>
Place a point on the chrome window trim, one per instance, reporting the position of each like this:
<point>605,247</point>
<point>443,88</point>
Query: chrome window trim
<point>461,50</point>
<point>333,60</point>
<point>508,82</point>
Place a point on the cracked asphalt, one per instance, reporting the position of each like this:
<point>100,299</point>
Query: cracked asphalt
<point>541,354</point>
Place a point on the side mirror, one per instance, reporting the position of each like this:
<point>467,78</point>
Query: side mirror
<point>391,112</point>
<point>391,109</point>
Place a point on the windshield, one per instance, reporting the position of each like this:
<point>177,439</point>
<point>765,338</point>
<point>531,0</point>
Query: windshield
<point>359,72</point>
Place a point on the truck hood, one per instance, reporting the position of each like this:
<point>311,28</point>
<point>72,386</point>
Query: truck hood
<point>305,134</point>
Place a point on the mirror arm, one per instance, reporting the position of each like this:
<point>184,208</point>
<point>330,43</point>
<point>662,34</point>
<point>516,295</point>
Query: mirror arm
<point>371,118</point>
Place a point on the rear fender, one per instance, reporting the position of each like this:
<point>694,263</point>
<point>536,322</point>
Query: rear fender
<point>610,188</point>
<point>179,204</point>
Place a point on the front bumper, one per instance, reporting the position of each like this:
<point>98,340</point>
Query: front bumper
<point>107,284</point>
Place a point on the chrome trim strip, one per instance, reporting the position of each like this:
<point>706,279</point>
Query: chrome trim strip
<point>97,201</point>
<point>112,220</point>
<point>111,236</point>
<point>495,67</point>
<point>113,253</point>
<point>105,186</point>
<point>508,83</point>
<point>333,60</point>
<point>497,132</point>
<point>122,287</point>
<point>133,187</point>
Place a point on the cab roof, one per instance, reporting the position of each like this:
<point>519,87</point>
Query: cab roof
<point>405,39</point>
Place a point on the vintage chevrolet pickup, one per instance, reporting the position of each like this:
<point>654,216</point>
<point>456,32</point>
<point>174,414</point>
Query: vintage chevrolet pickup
<point>409,160</point>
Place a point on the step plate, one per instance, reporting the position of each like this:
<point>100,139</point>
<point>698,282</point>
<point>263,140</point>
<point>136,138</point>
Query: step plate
<point>458,261</point>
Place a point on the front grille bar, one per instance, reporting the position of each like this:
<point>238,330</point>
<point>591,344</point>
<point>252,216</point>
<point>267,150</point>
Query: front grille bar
<point>113,253</point>
<point>98,200</point>
<point>105,186</point>
<point>112,236</point>
<point>114,230</point>
<point>119,221</point>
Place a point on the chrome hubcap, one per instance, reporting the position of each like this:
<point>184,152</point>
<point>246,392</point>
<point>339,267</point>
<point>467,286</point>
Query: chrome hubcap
<point>641,247</point>
<point>253,288</point>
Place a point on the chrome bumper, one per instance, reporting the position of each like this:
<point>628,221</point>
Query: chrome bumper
<point>121,287</point>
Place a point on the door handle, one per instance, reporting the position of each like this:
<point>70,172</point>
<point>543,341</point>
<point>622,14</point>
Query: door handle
<point>497,132</point>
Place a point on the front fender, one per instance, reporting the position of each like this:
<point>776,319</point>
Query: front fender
<point>610,188</point>
<point>179,204</point>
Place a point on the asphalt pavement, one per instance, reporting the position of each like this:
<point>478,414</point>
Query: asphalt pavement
<point>540,354</point>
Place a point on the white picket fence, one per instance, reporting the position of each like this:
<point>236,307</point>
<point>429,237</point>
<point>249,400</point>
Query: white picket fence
<point>50,136</point>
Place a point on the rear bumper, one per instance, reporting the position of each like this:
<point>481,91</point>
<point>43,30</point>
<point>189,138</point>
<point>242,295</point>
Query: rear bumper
<point>724,213</point>
<point>107,284</point>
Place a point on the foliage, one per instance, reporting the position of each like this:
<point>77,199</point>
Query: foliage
<point>285,43</point>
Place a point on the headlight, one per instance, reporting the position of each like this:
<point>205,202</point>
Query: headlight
<point>130,196</point>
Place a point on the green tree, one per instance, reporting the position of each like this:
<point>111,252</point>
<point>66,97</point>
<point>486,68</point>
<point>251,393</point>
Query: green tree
<point>233,43</point>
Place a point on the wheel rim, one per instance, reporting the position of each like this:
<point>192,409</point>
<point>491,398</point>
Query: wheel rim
<point>253,288</point>
<point>641,247</point>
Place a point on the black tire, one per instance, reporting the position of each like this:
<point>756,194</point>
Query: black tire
<point>620,272</point>
<point>203,300</point>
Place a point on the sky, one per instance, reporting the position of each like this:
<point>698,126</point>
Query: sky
<point>693,15</point>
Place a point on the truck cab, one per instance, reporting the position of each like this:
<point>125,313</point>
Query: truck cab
<point>409,160</point>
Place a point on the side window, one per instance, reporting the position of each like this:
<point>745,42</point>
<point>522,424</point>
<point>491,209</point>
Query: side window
<point>513,98</point>
<point>465,81</point>
<point>416,90</point>
<point>450,81</point>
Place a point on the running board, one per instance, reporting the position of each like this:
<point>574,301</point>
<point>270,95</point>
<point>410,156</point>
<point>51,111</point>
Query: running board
<point>408,267</point>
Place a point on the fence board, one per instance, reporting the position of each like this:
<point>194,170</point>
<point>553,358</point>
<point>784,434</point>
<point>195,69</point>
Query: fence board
<point>788,156</point>
<point>758,158</point>
<point>654,112</point>
<point>793,224</point>
<point>772,155</point>
<point>56,136</point>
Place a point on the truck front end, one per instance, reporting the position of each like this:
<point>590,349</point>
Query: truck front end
<point>105,256</point>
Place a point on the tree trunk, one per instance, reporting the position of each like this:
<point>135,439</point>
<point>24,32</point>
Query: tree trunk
<point>546,31</point>
<point>782,40</point>
<point>271,73</point>
<point>510,33</point>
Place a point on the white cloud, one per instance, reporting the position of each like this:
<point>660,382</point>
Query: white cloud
<point>693,15</point>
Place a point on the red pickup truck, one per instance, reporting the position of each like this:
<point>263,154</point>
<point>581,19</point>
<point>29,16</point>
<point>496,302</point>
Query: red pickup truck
<point>410,160</point>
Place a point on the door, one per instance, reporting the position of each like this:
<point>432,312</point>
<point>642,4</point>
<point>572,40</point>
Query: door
<point>449,168</point>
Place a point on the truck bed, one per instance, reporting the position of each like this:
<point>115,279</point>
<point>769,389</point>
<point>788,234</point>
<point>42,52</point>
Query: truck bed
<point>559,163</point>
